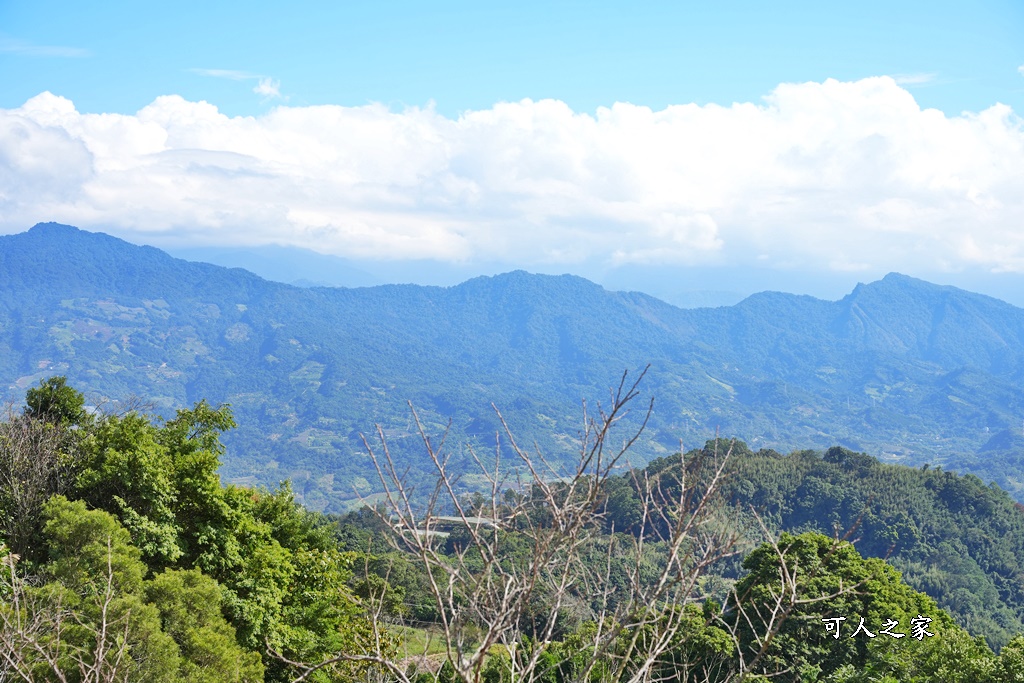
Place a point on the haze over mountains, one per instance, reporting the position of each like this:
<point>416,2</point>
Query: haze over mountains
<point>898,368</point>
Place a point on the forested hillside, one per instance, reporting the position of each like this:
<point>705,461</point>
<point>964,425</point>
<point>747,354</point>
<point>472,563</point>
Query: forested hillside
<point>902,369</point>
<point>950,536</point>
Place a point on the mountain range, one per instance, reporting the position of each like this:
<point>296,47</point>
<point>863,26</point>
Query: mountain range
<point>902,369</point>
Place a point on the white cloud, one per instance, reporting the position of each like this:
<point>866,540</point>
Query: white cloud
<point>1020,69</point>
<point>268,87</point>
<point>846,176</point>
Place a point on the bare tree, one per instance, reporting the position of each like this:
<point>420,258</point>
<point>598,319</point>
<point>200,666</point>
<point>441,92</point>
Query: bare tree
<point>43,638</point>
<point>36,460</point>
<point>539,544</point>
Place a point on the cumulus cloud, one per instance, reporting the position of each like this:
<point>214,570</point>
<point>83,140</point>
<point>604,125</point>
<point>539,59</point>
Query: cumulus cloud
<point>846,176</point>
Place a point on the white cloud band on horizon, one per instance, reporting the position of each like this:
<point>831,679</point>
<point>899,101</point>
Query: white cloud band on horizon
<point>837,176</point>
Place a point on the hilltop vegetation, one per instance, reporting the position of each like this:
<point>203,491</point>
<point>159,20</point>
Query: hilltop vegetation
<point>950,536</point>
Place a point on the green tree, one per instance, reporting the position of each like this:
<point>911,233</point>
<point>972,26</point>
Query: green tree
<point>1010,667</point>
<point>87,621</point>
<point>129,473</point>
<point>56,402</point>
<point>189,604</point>
<point>94,618</point>
<point>284,582</point>
<point>39,456</point>
<point>792,590</point>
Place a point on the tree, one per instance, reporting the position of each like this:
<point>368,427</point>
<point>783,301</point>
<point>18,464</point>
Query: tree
<point>127,471</point>
<point>798,615</point>
<point>37,460</point>
<point>189,604</point>
<point>87,622</point>
<point>39,457</point>
<point>533,578</point>
<point>89,616</point>
<point>55,402</point>
<point>283,581</point>
<point>1010,667</point>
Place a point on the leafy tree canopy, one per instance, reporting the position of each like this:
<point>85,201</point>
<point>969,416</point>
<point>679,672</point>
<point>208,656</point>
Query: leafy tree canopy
<point>54,401</point>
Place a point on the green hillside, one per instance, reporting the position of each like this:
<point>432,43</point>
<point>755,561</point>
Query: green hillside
<point>950,536</point>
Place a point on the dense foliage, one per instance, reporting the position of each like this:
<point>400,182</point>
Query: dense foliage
<point>133,530</point>
<point>890,633</point>
<point>949,535</point>
<point>898,367</point>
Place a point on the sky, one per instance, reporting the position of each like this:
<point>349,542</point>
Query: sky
<point>660,146</point>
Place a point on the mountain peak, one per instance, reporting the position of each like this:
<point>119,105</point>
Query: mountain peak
<point>50,230</point>
<point>87,263</point>
<point>899,277</point>
<point>907,282</point>
<point>520,279</point>
<point>896,285</point>
<point>67,239</point>
<point>53,228</point>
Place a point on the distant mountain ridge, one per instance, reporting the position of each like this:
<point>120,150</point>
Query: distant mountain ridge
<point>281,264</point>
<point>899,368</point>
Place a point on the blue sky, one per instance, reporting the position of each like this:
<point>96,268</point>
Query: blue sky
<point>119,56</point>
<point>806,145</point>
